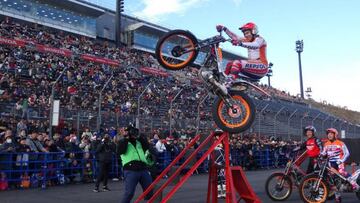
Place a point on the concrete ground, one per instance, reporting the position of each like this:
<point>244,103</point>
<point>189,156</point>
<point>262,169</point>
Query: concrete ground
<point>193,191</point>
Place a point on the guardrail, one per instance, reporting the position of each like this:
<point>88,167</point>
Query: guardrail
<point>58,168</point>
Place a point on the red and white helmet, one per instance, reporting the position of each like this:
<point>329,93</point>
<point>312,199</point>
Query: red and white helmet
<point>332,130</point>
<point>250,26</point>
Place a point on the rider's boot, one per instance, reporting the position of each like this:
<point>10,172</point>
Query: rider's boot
<point>229,81</point>
<point>338,199</point>
<point>352,181</point>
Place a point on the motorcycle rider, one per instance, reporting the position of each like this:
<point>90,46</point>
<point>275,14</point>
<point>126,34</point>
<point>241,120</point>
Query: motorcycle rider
<point>256,66</point>
<point>313,146</point>
<point>337,152</point>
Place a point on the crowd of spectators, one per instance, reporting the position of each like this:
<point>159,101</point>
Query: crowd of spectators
<point>26,76</point>
<point>20,146</point>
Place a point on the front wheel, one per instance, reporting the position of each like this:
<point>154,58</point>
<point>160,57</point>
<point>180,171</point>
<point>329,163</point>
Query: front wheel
<point>235,118</point>
<point>309,194</point>
<point>176,49</point>
<point>278,187</point>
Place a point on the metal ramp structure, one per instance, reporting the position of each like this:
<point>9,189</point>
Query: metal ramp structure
<point>237,185</point>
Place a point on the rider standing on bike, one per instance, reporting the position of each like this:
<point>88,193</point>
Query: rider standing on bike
<point>256,66</point>
<point>313,146</point>
<point>337,152</point>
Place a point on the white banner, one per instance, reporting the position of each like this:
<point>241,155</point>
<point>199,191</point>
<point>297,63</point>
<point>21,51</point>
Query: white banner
<point>55,113</point>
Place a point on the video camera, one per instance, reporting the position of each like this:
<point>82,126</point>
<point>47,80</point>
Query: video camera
<point>132,131</point>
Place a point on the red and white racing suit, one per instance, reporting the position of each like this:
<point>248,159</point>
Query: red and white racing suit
<point>256,66</point>
<point>338,153</point>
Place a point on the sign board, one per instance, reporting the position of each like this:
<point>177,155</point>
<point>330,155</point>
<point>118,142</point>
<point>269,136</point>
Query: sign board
<point>343,134</point>
<point>56,113</point>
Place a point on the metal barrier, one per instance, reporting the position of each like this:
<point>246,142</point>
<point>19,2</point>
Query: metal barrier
<point>44,169</point>
<point>270,121</point>
<point>57,168</point>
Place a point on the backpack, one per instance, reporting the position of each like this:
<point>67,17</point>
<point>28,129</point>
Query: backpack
<point>25,181</point>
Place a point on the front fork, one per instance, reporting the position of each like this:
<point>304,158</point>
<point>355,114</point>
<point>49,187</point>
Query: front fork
<point>218,89</point>
<point>321,176</point>
<point>228,103</point>
<point>286,173</point>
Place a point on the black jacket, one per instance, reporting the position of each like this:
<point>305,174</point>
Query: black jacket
<point>104,152</point>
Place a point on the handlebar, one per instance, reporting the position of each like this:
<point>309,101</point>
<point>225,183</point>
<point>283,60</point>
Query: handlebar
<point>323,159</point>
<point>215,39</point>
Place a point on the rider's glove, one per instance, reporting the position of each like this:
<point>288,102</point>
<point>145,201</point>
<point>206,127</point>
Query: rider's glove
<point>220,28</point>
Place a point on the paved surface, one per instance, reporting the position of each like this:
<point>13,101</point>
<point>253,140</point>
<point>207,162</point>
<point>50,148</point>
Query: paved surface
<point>194,191</point>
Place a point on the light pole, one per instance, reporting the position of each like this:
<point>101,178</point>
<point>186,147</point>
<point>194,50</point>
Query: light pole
<point>100,100</point>
<point>317,116</point>
<point>299,49</point>
<point>301,123</point>
<point>198,112</point>
<point>138,105</point>
<point>291,115</point>
<point>261,112</point>
<point>118,31</point>
<point>332,123</point>
<point>171,107</point>
<point>282,108</point>
<point>52,99</point>
<point>270,73</point>
<point>323,122</point>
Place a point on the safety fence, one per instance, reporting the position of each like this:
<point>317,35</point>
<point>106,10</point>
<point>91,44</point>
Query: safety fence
<point>55,168</point>
<point>25,170</point>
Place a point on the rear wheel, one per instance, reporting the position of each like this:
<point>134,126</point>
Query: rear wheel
<point>176,49</point>
<point>238,117</point>
<point>309,194</point>
<point>278,187</point>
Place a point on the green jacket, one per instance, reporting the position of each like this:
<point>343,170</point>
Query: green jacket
<point>135,154</point>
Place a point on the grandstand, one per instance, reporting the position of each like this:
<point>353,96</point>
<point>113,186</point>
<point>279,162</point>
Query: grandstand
<point>85,37</point>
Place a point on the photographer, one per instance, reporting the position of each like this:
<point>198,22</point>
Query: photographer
<point>132,149</point>
<point>171,146</point>
<point>104,153</point>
